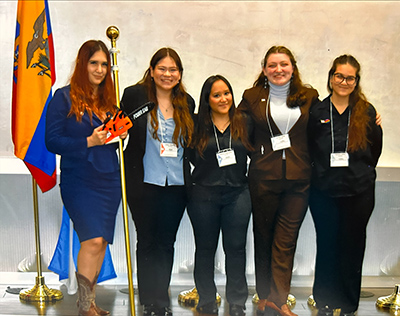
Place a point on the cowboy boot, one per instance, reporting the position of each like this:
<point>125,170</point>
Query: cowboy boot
<point>99,310</point>
<point>85,297</point>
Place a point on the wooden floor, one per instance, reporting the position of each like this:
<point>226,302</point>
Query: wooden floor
<point>111,297</point>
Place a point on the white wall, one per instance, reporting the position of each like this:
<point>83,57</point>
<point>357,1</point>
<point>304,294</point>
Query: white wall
<point>230,38</point>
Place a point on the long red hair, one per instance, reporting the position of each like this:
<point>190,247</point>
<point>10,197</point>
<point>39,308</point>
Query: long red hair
<point>359,119</point>
<point>81,93</point>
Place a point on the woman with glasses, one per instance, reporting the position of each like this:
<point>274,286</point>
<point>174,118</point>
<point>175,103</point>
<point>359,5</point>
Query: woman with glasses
<point>157,172</point>
<point>345,145</point>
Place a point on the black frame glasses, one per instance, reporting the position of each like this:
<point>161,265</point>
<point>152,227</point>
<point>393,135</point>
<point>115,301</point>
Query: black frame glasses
<point>339,78</point>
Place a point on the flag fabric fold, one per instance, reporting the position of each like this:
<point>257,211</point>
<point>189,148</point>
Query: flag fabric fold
<point>33,78</point>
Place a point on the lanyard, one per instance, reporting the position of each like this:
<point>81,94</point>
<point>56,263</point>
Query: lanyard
<point>216,138</point>
<point>269,124</point>
<point>332,133</point>
<point>160,124</point>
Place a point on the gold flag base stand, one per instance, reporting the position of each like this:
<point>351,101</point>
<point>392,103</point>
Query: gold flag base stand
<point>190,298</point>
<point>311,302</point>
<point>313,305</point>
<point>291,300</point>
<point>40,293</point>
<point>391,301</point>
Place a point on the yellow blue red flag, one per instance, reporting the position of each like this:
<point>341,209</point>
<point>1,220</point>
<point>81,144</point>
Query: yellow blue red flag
<point>34,76</point>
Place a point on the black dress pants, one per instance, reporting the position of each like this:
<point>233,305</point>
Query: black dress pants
<point>340,224</point>
<point>157,215</point>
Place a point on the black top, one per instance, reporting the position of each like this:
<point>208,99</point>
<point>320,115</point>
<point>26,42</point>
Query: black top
<point>360,174</point>
<point>207,171</point>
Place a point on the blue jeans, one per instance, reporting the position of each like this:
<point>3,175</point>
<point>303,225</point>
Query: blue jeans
<point>211,210</point>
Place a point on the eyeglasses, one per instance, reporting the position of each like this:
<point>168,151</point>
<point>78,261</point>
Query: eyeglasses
<point>172,70</point>
<point>339,78</point>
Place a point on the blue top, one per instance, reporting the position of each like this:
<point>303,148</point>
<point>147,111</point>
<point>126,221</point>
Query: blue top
<point>67,137</point>
<point>162,170</point>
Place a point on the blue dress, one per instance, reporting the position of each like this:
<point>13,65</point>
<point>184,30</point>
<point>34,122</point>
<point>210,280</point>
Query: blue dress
<point>90,177</point>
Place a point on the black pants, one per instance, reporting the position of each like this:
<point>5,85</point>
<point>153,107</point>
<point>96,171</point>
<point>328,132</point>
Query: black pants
<point>340,224</point>
<point>157,217</point>
<point>279,208</point>
<point>211,210</point>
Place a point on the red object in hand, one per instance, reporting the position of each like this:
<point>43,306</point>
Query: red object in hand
<point>117,125</point>
<point>121,122</point>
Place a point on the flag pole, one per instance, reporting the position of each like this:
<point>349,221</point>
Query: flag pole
<point>113,33</point>
<point>40,292</point>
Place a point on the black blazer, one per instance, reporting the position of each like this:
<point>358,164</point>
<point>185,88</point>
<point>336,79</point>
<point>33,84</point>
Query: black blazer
<point>133,97</point>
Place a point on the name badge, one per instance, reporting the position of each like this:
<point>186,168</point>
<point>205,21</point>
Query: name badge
<point>226,157</point>
<point>168,150</point>
<point>339,159</point>
<point>280,142</point>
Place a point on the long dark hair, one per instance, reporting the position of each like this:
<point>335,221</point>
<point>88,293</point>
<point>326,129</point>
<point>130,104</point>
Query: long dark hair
<point>296,97</point>
<point>204,121</point>
<point>81,90</point>
<point>359,120</point>
<point>182,117</point>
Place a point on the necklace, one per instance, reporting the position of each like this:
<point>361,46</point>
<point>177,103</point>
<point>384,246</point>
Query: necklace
<point>222,128</point>
<point>166,108</point>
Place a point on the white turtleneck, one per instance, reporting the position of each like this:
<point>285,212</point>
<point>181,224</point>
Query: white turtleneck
<point>283,116</point>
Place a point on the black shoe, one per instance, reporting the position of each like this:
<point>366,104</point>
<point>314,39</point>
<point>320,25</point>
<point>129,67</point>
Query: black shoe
<point>150,310</point>
<point>260,313</point>
<point>164,311</point>
<point>267,312</point>
<point>209,308</point>
<point>325,311</point>
<point>270,312</point>
<point>236,310</point>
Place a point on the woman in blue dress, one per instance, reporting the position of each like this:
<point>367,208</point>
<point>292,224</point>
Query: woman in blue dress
<point>90,177</point>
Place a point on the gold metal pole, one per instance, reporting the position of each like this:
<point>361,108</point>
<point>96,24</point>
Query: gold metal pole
<point>40,292</point>
<point>112,34</point>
